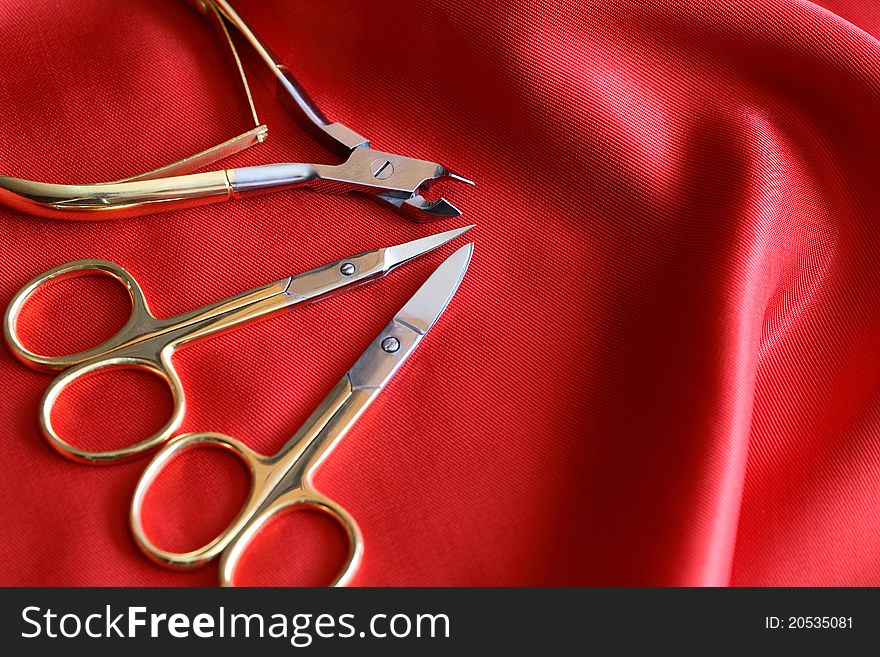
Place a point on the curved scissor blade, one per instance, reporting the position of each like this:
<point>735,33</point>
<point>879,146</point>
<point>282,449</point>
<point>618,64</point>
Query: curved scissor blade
<point>425,306</point>
<point>403,334</point>
<point>367,377</point>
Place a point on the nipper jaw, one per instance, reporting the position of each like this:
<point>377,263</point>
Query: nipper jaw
<point>397,180</point>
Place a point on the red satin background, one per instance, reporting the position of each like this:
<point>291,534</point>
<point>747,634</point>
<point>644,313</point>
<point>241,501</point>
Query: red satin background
<point>663,366</point>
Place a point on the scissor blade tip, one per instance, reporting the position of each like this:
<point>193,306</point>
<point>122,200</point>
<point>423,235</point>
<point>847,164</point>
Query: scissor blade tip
<point>462,256</point>
<point>467,251</point>
<point>429,302</point>
<point>455,232</point>
<point>439,239</point>
<point>401,253</point>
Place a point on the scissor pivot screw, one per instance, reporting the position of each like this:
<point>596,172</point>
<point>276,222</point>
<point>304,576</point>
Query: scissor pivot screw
<point>347,269</point>
<point>391,344</point>
<point>381,169</point>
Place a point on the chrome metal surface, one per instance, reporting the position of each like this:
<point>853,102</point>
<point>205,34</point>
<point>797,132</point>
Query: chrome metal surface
<point>146,342</point>
<point>284,481</point>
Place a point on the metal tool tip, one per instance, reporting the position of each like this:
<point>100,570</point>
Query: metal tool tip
<point>426,305</point>
<point>462,256</point>
<point>459,260</point>
<point>448,235</point>
<point>439,209</point>
<point>400,253</point>
<point>459,178</point>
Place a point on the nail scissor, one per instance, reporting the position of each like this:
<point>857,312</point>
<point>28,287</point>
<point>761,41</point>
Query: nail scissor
<point>148,343</point>
<point>284,480</point>
<point>387,177</point>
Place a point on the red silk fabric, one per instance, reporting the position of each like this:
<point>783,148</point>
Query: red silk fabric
<point>663,366</point>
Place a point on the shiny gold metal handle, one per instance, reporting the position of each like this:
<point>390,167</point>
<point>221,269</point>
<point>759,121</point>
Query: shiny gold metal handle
<point>140,313</point>
<point>113,353</point>
<point>292,469</point>
<point>161,367</point>
<point>262,482</point>
<point>132,198</point>
<point>113,200</point>
<point>307,497</point>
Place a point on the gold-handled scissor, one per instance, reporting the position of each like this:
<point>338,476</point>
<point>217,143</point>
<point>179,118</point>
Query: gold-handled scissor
<point>146,342</point>
<point>284,480</point>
